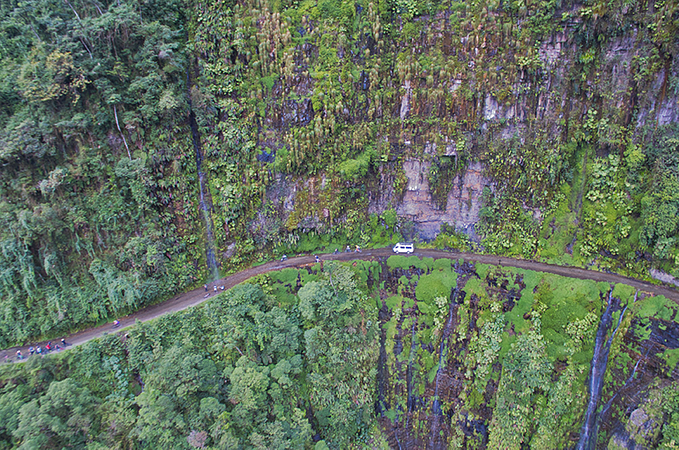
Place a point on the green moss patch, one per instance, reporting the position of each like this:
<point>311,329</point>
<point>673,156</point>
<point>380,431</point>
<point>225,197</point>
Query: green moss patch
<point>436,284</point>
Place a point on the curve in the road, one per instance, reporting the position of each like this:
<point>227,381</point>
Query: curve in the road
<point>197,296</point>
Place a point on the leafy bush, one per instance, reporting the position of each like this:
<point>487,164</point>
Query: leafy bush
<point>435,284</point>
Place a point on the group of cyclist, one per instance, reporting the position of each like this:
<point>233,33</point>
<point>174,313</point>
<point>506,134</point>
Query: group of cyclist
<point>348,250</point>
<point>214,288</point>
<point>39,350</point>
<point>336,252</point>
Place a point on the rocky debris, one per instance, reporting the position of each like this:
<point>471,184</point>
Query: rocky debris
<point>641,430</point>
<point>664,277</point>
<point>230,251</point>
<point>463,203</point>
<point>490,108</point>
<point>282,194</point>
<point>667,112</point>
<point>638,418</point>
<point>622,441</point>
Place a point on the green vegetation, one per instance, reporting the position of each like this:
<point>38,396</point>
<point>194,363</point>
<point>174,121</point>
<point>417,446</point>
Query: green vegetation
<point>97,220</point>
<point>300,120</point>
<point>295,353</point>
<point>522,344</point>
<point>242,370</point>
<point>450,239</point>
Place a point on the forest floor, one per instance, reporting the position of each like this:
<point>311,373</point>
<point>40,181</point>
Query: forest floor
<point>197,296</point>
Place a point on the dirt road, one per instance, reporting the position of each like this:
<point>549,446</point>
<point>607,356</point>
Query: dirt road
<point>197,296</point>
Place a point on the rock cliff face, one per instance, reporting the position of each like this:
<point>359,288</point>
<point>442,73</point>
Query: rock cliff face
<point>464,200</point>
<point>520,105</point>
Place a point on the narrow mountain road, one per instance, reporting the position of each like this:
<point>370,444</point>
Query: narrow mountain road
<point>197,296</point>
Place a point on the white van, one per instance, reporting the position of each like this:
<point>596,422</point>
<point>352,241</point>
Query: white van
<point>403,248</point>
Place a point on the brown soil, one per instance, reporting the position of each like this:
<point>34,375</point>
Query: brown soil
<point>197,296</point>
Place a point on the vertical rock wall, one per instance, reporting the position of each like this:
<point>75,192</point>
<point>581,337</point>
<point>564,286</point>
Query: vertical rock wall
<point>518,105</point>
<point>464,200</point>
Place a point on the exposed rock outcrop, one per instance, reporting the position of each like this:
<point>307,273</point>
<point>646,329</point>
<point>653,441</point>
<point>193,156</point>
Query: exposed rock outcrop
<point>464,200</point>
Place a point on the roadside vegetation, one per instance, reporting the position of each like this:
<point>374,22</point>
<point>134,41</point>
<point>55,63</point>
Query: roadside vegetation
<point>355,355</point>
<point>247,368</point>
